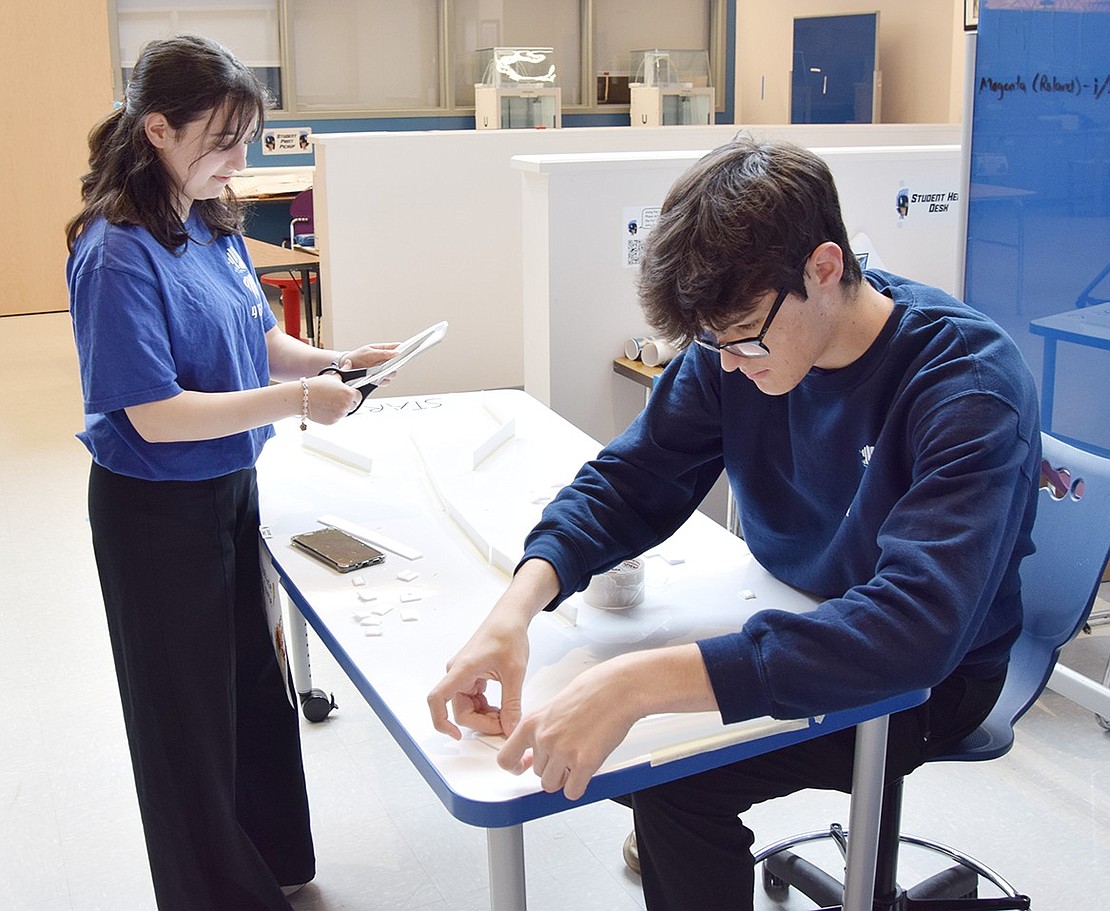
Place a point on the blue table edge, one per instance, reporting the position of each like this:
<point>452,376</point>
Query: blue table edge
<point>516,810</point>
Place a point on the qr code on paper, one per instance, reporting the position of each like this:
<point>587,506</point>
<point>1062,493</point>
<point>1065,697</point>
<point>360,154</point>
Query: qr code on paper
<point>634,252</point>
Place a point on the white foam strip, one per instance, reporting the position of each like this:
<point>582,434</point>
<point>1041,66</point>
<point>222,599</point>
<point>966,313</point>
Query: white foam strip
<point>469,530</point>
<point>334,451</point>
<point>498,439</point>
<point>371,537</point>
<point>726,738</point>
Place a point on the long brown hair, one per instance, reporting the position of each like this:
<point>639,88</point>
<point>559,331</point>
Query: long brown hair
<point>186,79</point>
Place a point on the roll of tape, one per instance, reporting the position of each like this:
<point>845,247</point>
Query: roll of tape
<point>620,588</point>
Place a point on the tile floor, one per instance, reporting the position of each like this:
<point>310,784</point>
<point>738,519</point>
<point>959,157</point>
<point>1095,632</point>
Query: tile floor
<point>70,838</point>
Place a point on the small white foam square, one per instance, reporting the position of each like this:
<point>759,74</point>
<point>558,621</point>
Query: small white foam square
<point>367,595</point>
<point>409,614</point>
<point>382,609</point>
<point>358,579</point>
<point>406,597</point>
<point>373,631</point>
<point>569,611</point>
<point>408,575</point>
<point>747,594</point>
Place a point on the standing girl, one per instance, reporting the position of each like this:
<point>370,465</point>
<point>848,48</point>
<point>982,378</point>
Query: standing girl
<point>177,347</point>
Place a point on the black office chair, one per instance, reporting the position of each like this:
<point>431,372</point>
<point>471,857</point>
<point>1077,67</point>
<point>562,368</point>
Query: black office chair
<point>1059,584</point>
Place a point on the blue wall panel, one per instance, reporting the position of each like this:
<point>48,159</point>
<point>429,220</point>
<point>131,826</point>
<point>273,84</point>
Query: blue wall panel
<point>1038,248</point>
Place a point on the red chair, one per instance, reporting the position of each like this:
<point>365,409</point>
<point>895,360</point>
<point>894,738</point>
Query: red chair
<point>290,286</point>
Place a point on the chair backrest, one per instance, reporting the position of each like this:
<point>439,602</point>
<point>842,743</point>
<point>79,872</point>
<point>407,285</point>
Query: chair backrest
<point>1059,583</point>
<point>301,221</point>
<point>301,207</point>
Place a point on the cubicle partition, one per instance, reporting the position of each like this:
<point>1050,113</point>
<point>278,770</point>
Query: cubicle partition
<point>418,227</point>
<point>584,216</point>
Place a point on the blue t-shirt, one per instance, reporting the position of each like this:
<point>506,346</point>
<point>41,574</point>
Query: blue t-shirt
<point>900,489</point>
<point>150,324</point>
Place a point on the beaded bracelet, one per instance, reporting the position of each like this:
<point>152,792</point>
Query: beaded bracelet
<point>304,404</point>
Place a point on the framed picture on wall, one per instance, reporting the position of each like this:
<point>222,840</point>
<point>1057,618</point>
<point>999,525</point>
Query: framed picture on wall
<point>971,15</point>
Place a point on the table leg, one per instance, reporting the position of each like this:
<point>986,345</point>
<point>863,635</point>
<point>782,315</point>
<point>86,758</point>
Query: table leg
<point>505,852</point>
<point>297,649</point>
<point>309,308</point>
<point>1048,383</point>
<point>863,819</point>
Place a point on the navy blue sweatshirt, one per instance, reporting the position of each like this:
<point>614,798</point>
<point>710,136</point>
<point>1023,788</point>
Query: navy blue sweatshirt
<point>900,489</point>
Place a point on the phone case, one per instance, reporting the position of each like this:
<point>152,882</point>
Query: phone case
<point>339,550</point>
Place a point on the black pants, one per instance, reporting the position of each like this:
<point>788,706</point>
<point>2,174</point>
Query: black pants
<point>696,853</point>
<point>215,744</point>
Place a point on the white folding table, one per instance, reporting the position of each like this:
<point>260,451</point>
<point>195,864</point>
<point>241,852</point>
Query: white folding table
<point>449,485</point>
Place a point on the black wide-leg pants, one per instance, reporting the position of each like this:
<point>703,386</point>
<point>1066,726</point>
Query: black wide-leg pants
<point>215,743</point>
<point>696,853</point>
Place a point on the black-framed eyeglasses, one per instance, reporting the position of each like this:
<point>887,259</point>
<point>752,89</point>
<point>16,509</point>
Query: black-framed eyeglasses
<point>747,347</point>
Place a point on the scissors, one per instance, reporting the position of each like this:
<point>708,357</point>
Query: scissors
<point>355,378</point>
<point>367,379</point>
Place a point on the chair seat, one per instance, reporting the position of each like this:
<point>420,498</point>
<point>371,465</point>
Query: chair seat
<point>1059,583</point>
<point>286,281</point>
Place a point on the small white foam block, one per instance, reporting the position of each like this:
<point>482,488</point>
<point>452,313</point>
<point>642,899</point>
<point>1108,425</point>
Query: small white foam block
<point>367,595</point>
<point>331,450</point>
<point>408,575</point>
<point>372,631</point>
<point>747,594</point>
<point>362,613</point>
<point>407,597</point>
<point>409,614</point>
<point>358,580</point>
<point>380,610</point>
<point>371,621</point>
<point>569,611</point>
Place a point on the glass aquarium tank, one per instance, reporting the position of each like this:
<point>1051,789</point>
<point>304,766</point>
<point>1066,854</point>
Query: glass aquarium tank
<point>518,89</point>
<point>671,87</point>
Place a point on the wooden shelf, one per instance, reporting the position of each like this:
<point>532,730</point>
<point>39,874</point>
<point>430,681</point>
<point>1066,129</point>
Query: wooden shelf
<point>636,370</point>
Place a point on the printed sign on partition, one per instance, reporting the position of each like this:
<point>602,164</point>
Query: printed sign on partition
<point>637,222</point>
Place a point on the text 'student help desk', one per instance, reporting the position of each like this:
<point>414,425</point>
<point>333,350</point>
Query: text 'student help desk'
<point>460,479</point>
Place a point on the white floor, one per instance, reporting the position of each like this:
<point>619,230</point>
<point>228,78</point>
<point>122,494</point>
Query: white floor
<point>70,838</point>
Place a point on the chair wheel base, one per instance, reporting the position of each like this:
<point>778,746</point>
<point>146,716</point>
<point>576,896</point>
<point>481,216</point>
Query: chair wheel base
<point>772,885</point>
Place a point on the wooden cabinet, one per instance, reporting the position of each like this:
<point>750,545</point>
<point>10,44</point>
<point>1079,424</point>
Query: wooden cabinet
<point>57,84</point>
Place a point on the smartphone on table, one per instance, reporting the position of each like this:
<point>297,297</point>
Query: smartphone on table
<point>339,550</point>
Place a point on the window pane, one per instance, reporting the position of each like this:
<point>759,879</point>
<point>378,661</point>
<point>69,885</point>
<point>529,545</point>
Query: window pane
<point>248,27</point>
<point>621,26</point>
<point>518,23</point>
<point>366,55</point>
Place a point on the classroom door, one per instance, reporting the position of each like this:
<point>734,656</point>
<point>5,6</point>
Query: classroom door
<point>834,70</point>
